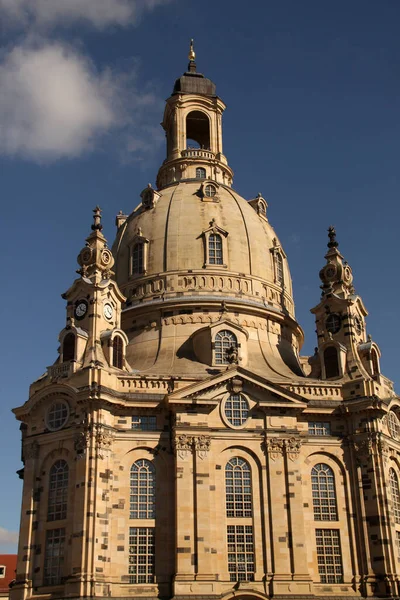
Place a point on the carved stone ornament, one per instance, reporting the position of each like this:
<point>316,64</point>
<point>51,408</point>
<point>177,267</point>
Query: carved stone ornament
<point>103,439</point>
<point>274,447</point>
<point>277,446</point>
<point>81,442</point>
<point>185,444</point>
<point>363,449</point>
<point>202,445</point>
<point>293,446</point>
<point>31,451</point>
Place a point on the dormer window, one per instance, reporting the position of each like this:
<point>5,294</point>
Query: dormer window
<point>138,259</point>
<point>215,249</point>
<point>224,341</point>
<point>279,268</point>
<point>331,361</point>
<point>200,173</point>
<point>69,347</point>
<point>118,352</point>
<point>210,190</point>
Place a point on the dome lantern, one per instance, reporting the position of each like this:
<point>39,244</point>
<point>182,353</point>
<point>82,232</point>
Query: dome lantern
<point>193,126</point>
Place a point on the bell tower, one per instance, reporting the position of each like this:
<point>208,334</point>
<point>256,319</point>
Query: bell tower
<point>193,127</point>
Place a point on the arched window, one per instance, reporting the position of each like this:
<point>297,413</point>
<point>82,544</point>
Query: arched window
<point>69,347</point>
<point>279,268</point>
<point>215,249</point>
<point>238,488</point>
<point>200,173</point>
<point>138,259</point>
<point>393,424</point>
<point>395,493</point>
<point>323,493</point>
<point>375,363</point>
<point>58,491</point>
<point>118,352</point>
<point>142,490</point>
<point>224,341</point>
<point>331,362</point>
<point>197,130</point>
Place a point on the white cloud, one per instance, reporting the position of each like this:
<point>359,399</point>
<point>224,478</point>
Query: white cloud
<point>8,537</point>
<point>55,104</point>
<point>97,13</point>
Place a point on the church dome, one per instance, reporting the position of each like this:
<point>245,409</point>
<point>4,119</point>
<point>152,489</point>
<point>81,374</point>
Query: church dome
<point>197,262</point>
<point>176,236</point>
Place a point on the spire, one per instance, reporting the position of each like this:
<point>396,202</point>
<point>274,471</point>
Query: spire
<point>192,57</point>
<point>336,276</point>
<point>95,259</point>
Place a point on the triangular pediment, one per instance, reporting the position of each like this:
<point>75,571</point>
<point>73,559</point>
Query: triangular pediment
<point>209,392</point>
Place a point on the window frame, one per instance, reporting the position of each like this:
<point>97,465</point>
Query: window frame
<point>207,233</point>
<point>57,497</point>
<point>315,426</point>
<point>338,573</point>
<point>58,558</point>
<point>238,494</point>
<point>139,239</point>
<point>49,410</point>
<point>324,494</point>
<point>138,491</point>
<point>203,171</point>
<point>215,350</point>
<point>242,399</point>
<point>118,353</point>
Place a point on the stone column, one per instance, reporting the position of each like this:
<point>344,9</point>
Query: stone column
<point>202,513</point>
<point>184,498</point>
<point>297,530</point>
<point>281,564</point>
<point>379,579</point>
<point>23,586</point>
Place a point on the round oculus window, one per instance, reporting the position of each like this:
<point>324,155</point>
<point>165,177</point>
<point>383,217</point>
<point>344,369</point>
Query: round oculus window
<point>393,425</point>
<point>57,415</point>
<point>236,410</point>
<point>210,190</point>
<point>333,323</point>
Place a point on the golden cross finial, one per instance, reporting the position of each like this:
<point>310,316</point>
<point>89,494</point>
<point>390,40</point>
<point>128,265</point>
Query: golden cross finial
<point>192,54</point>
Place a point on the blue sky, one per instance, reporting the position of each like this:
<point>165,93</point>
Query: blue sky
<point>312,122</point>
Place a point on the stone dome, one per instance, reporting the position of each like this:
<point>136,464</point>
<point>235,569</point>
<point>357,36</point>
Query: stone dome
<point>175,230</point>
<point>180,285</point>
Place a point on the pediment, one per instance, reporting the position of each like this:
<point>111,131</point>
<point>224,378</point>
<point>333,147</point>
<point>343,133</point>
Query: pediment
<point>209,392</point>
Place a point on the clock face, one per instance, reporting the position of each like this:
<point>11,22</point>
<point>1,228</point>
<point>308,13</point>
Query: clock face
<point>108,311</point>
<point>81,309</point>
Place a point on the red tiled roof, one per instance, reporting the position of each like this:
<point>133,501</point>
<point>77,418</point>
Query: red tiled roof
<point>9,561</point>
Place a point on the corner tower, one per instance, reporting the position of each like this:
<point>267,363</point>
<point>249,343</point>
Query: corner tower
<point>193,127</point>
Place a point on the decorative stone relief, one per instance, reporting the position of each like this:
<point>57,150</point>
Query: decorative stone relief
<point>31,451</point>
<point>277,446</point>
<point>186,444</point>
<point>274,447</point>
<point>81,442</point>
<point>103,440</point>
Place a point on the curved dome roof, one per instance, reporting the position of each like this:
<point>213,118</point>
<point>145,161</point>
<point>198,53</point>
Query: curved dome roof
<point>175,233</point>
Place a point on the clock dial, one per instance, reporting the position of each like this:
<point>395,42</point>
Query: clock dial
<point>81,309</point>
<point>108,311</point>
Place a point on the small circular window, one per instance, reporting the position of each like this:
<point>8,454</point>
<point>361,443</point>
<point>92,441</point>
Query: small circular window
<point>236,410</point>
<point>333,323</point>
<point>393,425</point>
<point>57,415</point>
<point>210,190</point>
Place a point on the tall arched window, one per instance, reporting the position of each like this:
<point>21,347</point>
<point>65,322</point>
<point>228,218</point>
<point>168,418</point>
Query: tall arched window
<point>215,249</point>
<point>200,173</point>
<point>58,491</point>
<point>238,488</point>
<point>375,363</point>
<point>197,130</point>
<point>279,268</point>
<point>395,493</point>
<point>323,493</point>
<point>224,340</point>
<point>69,347</point>
<point>118,352</point>
<point>142,490</point>
<point>331,362</point>
<point>138,259</point>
